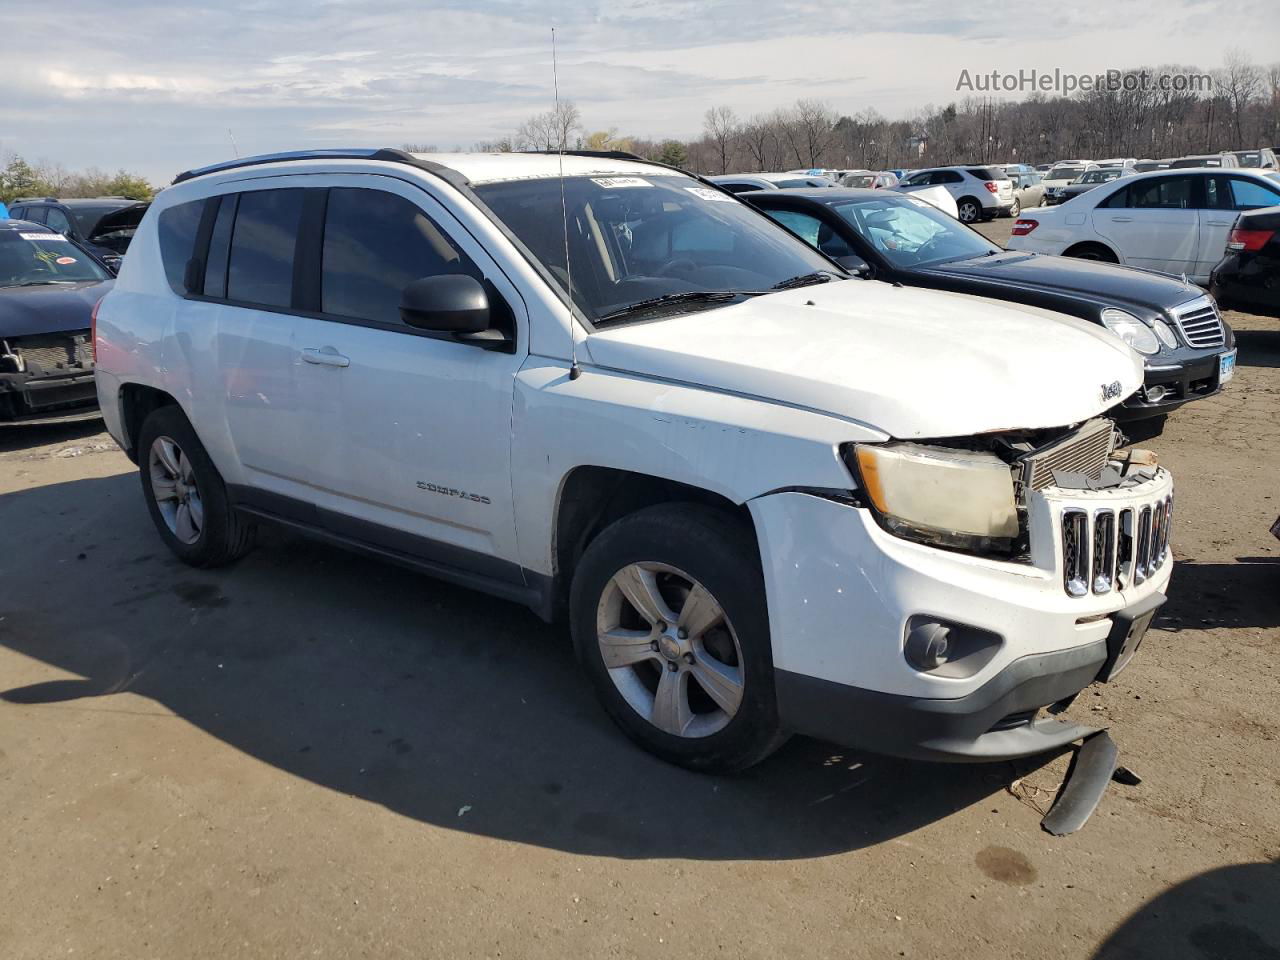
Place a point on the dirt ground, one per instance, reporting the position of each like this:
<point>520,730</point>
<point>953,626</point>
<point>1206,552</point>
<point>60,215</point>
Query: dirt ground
<point>312,754</point>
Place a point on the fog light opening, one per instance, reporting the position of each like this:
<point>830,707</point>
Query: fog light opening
<point>1155,393</point>
<point>945,648</point>
<point>927,645</point>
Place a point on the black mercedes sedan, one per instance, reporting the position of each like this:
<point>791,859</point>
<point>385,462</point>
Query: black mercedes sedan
<point>1188,349</point>
<point>48,288</point>
<point>1248,276</point>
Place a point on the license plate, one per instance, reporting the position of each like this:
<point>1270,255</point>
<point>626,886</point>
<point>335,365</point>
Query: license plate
<point>1226,366</point>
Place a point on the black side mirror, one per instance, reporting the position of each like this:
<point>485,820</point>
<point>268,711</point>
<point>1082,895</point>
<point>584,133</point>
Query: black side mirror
<point>855,265</point>
<point>451,303</point>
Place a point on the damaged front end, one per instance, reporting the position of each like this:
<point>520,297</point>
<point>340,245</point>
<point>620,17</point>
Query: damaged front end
<point>46,376</point>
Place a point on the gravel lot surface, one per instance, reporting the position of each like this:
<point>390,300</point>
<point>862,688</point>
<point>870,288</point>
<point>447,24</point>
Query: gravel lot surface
<point>312,754</point>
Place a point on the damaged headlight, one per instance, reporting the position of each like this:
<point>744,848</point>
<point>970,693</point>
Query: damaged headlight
<point>1131,330</point>
<point>961,499</point>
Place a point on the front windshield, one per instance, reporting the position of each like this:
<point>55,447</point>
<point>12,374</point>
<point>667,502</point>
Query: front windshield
<point>1063,173</point>
<point>37,257</point>
<point>633,239</point>
<point>1099,176</point>
<point>865,180</point>
<point>1250,159</point>
<point>911,233</point>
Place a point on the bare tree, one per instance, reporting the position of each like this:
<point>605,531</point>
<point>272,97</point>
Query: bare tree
<point>721,127</point>
<point>1241,83</point>
<point>558,129</point>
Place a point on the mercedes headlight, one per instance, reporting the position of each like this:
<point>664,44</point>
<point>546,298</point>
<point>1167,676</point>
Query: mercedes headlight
<point>961,499</point>
<point>1165,333</point>
<point>1131,330</point>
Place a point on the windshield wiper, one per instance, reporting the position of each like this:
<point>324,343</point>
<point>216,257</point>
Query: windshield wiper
<point>687,296</point>
<point>806,280</point>
<point>42,283</point>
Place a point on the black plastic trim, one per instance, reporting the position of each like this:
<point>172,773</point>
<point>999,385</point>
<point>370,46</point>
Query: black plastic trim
<point>466,568</point>
<point>959,729</point>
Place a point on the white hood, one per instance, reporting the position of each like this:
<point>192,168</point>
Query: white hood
<point>912,363</point>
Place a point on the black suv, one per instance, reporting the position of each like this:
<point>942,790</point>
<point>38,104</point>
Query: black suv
<point>103,225</point>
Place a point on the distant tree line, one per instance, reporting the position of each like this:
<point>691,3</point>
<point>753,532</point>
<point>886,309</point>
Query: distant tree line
<point>1240,111</point>
<point>19,178</point>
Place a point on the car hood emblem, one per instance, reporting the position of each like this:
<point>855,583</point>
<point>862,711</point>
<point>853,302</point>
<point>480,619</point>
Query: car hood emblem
<point>1110,390</point>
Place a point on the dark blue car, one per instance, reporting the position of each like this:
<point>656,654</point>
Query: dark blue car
<point>48,288</point>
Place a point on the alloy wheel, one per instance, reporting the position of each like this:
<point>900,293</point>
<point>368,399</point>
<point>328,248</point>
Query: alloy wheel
<point>670,649</point>
<point>173,484</point>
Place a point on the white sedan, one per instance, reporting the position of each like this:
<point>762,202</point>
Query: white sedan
<point>1172,221</point>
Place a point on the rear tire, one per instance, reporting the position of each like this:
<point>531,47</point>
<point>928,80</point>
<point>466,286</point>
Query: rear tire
<point>185,494</point>
<point>719,673</point>
<point>968,210</point>
<point>1091,251</point>
<point>1015,209</point>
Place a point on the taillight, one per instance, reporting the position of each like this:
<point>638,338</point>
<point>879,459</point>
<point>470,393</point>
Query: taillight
<point>1022,227</point>
<point>1249,241</point>
<point>93,328</point>
<point>991,185</point>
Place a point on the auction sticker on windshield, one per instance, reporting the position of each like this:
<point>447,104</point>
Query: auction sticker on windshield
<point>611,182</point>
<point>42,236</point>
<point>706,193</point>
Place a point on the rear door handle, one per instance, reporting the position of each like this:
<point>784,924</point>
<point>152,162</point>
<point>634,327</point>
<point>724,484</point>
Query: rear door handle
<point>1219,223</point>
<point>325,357</point>
<point>1122,219</point>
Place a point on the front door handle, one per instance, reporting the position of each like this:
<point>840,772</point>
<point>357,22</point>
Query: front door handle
<point>325,357</point>
<point>1122,219</point>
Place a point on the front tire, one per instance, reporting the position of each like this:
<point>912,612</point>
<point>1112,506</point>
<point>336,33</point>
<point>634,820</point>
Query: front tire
<point>669,621</point>
<point>185,494</point>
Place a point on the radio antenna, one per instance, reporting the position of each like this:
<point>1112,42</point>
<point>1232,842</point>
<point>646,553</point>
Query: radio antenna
<point>234,148</point>
<point>574,370</point>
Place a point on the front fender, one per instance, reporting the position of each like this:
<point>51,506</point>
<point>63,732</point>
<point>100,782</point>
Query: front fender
<point>737,447</point>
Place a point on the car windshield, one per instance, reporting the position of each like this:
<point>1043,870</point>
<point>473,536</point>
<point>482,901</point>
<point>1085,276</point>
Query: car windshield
<point>634,239</point>
<point>1253,159</point>
<point>911,233</point>
<point>1063,173</point>
<point>39,257</point>
<point>1099,176</point>
<point>854,180</point>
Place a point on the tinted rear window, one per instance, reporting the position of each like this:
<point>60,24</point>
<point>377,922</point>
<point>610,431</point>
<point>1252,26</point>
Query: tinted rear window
<point>986,173</point>
<point>262,244</point>
<point>177,230</point>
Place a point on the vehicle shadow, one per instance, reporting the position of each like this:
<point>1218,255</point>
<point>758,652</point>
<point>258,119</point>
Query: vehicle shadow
<point>436,702</point>
<point>23,436</point>
<point>1258,348</point>
<point>1228,913</point>
<point>1206,596</point>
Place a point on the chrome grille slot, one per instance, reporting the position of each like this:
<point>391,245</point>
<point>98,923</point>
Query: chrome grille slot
<point>1086,451</point>
<point>1104,550</point>
<point>1165,533</point>
<point>1200,323</point>
<point>1124,549</point>
<point>1075,552</point>
<point>55,351</point>
<point>1142,552</point>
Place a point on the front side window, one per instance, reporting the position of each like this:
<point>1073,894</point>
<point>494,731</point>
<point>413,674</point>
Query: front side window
<point>375,244</point>
<point>57,220</point>
<point>260,268</point>
<point>30,258</point>
<point>912,233</point>
<point>947,176</point>
<point>636,238</point>
<point>1250,195</point>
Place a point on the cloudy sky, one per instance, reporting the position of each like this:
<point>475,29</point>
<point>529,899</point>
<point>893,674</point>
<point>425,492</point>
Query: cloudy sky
<point>155,86</point>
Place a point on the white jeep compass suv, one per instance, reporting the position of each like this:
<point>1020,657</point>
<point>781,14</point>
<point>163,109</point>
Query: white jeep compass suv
<point>769,497</point>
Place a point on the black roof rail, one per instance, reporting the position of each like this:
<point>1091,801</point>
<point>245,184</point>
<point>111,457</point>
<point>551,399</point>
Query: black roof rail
<point>34,200</point>
<point>355,153</point>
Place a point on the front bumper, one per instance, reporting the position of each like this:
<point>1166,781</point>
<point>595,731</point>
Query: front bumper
<point>1182,383</point>
<point>841,592</point>
<point>26,397</point>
